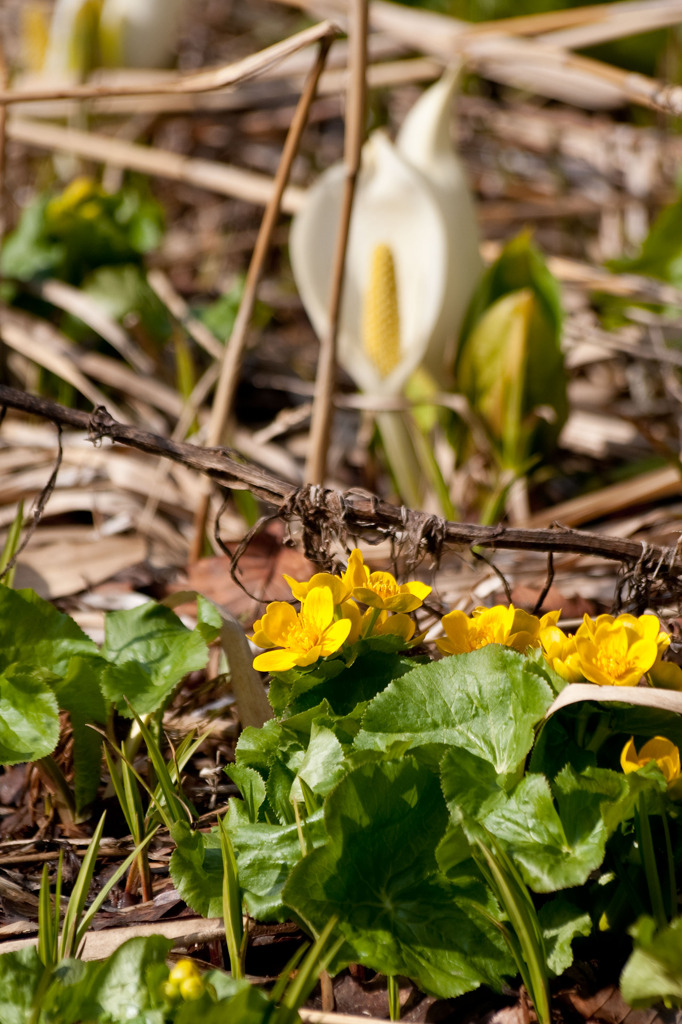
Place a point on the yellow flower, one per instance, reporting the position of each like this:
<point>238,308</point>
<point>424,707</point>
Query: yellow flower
<point>304,637</point>
<point>561,653</point>
<point>618,651</point>
<point>184,982</point>
<point>383,592</point>
<point>510,626</point>
<point>666,674</point>
<point>341,586</point>
<point>386,624</point>
<point>349,610</point>
<point>659,749</point>
<point>465,633</point>
<point>526,628</point>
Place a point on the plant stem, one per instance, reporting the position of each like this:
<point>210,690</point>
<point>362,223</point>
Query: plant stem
<point>393,997</point>
<point>648,858</point>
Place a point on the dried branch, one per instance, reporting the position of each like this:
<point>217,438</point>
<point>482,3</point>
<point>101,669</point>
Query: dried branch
<point>320,427</point>
<point>194,82</point>
<point>327,514</point>
<point>230,367</point>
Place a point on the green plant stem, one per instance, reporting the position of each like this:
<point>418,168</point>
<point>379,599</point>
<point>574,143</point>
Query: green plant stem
<point>528,946</point>
<point>648,858</point>
<point>233,914</point>
<point>600,734</point>
<point>670,864</point>
<point>401,456</point>
<point>393,997</point>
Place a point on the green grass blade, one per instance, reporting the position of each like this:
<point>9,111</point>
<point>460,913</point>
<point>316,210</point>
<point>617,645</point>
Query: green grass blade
<point>315,961</point>
<point>11,546</point>
<point>513,894</point>
<point>47,933</point>
<point>69,942</point>
<point>108,886</point>
<point>232,903</point>
<point>176,809</point>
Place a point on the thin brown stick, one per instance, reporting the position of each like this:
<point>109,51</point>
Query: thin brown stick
<point>321,420</point>
<point>234,350</point>
<point>199,81</point>
<point>354,512</point>
<point>4,79</point>
<point>209,174</point>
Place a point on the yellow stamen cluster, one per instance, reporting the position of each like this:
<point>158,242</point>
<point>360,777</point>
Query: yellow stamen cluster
<point>380,313</point>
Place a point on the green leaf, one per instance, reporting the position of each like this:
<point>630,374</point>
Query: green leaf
<point>653,973</point>
<point>549,852</point>
<point>149,651</point>
<point>285,687</point>
<point>365,670</point>
<point>378,874</point>
<point>265,855</point>
<point>561,923</point>
<point>29,717</point>
<point>471,786</point>
<point>20,974</point>
<point>251,787</point>
<point>487,702</point>
<point>39,642</point>
<point>209,621</point>
<point>78,693</point>
<point>26,252</point>
<point>510,363</point>
<point>36,636</point>
<point>323,764</point>
<point>123,291</point>
<point>120,990</point>
<point>661,252</point>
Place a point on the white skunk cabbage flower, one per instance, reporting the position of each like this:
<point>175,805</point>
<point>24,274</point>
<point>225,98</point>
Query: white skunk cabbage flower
<point>84,34</point>
<point>412,250</point>
<point>138,33</point>
<point>424,139</point>
<point>395,274</point>
<point>72,38</point>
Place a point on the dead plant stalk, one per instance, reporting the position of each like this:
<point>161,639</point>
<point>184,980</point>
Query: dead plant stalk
<point>320,428</point>
<point>232,358</point>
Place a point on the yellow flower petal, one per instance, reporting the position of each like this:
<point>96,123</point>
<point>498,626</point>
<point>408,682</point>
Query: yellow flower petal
<point>659,749</point>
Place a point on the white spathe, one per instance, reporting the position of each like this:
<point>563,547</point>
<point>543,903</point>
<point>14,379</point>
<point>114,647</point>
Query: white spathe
<point>139,33</point>
<point>71,38</point>
<point>413,197</point>
<point>424,139</point>
<point>394,205</point>
<point>115,33</point>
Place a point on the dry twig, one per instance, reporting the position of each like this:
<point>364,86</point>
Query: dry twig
<point>326,515</point>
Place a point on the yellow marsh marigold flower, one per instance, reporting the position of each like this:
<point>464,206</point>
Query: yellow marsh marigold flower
<point>665,674</point>
<point>659,749</point>
<point>184,981</point>
<point>386,624</point>
<point>304,637</point>
<point>561,653</point>
<point>465,633</point>
<point>510,626</point>
<point>618,651</point>
<point>342,586</point>
<point>526,628</point>
<point>383,592</point>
